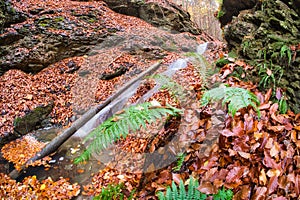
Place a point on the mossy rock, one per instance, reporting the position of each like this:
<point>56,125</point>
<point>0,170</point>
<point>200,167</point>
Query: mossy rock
<point>32,120</point>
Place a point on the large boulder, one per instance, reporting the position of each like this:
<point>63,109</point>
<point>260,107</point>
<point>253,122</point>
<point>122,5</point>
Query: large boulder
<point>168,15</point>
<point>268,36</point>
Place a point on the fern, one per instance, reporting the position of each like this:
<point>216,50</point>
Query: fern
<point>113,192</point>
<point>167,83</point>
<point>180,160</point>
<point>286,51</point>
<point>119,125</point>
<point>203,67</point>
<point>179,193</point>
<point>223,194</point>
<point>236,98</point>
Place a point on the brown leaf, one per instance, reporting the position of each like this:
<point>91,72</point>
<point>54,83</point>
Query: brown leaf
<point>206,187</point>
<point>280,198</point>
<point>275,149</point>
<point>244,154</point>
<point>164,176</point>
<point>269,162</point>
<point>228,133</point>
<point>268,95</point>
<point>260,193</point>
<point>262,177</point>
<point>264,106</point>
<point>297,128</point>
<point>297,185</point>
<point>276,129</point>
<point>273,184</point>
<point>210,173</point>
<point>176,178</point>
<point>274,108</point>
<point>243,193</point>
<point>235,174</point>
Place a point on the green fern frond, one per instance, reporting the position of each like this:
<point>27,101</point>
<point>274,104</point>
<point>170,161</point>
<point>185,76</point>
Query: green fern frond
<point>202,66</point>
<point>236,98</point>
<point>223,194</point>
<point>119,125</point>
<point>179,193</point>
<point>113,192</point>
<point>180,160</point>
<point>168,83</point>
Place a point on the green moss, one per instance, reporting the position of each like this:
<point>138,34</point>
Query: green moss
<point>221,13</point>
<point>59,19</point>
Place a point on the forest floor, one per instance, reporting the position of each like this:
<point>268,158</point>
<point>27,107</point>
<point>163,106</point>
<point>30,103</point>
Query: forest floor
<point>256,158</point>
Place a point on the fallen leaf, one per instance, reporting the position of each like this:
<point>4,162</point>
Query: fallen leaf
<point>260,193</point>
<point>273,184</point>
<point>235,174</point>
<point>262,177</point>
<point>275,149</point>
<point>273,172</point>
<point>207,187</point>
<point>244,154</point>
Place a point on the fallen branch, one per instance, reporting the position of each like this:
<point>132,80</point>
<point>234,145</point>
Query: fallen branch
<point>60,139</point>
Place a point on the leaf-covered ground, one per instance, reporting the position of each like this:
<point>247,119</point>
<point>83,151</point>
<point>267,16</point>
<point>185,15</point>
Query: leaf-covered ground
<point>257,159</point>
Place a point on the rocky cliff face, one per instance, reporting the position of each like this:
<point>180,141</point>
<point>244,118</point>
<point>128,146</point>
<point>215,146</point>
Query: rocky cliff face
<point>267,34</point>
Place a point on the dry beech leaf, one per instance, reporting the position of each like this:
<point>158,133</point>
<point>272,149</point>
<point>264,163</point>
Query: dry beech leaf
<point>262,177</point>
<point>207,187</point>
<point>235,174</point>
<point>274,108</point>
<point>228,133</point>
<point>244,154</point>
<point>273,184</point>
<point>269,162</point>
<point>275,149</point>
<point>268,95</point>
<point>273,172</point>
<point>260,193</point>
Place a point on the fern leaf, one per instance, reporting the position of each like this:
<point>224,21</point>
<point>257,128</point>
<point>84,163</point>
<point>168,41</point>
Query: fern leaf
<point>174,191</point>
<point>190,193</point>
<point>169,194</point>
<point>236,98</point>
<point>161,196</point>
<point>182,192</point>
<point>119,125</point>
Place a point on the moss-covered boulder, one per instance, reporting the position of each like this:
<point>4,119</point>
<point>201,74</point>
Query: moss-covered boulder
<point>268,36</point>
<point>32,120</point>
